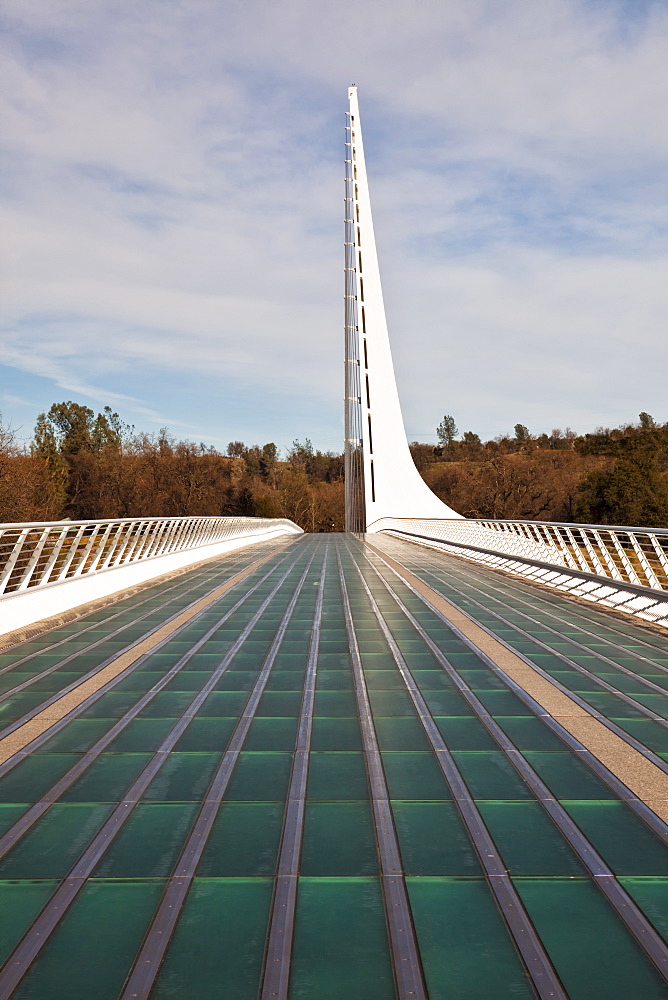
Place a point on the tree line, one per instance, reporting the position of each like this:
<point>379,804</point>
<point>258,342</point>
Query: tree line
<point>81,464</point>
<point>610,476</point>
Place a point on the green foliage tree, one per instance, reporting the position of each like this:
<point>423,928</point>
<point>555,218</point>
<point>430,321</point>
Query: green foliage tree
<point>522,433</point>
<point>447,431</point>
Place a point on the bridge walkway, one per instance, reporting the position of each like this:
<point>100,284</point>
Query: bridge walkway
<point>298,772</point>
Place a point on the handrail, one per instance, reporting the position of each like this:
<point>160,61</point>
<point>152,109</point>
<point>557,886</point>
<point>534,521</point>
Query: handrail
<point>42,553</point>
<point>629,559</point>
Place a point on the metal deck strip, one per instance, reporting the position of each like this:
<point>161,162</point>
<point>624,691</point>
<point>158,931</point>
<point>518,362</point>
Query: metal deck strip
<point>25,822</point>
<point>89,628</point>
<point>629,699</point>
<point>569,638</point>
<point>603,877</point>
<point>616,784</point>
<point>54,724</point>
<point>276,977</point>
<point>539,967</point>
<point>105,663</point>
<point>650,755</point>
<point>550,611</point>
<point>39,933</point>
<point>144,972</point>
<point>403,943</point>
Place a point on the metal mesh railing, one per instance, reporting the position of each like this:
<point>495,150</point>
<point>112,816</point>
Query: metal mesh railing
<point>615,566</point>
<point>38,554</point>
<point>630,555</point>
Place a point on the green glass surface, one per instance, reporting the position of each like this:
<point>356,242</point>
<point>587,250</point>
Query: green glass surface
<point>482,680</point>
<point>447,703</point>
<point>466,951</point>
<point>286,680</point>
<point>184,777</point>
<point>340,947</point>
<point>218,944</point>
<point>52,846</point>
<point>77,736</point>
<point>432,680</point>
<point>334,703</point>
<point>280,703</point>
<point>111,705</point>
<point>391,703</point>
<point>489,775</point>
<point>334,680</point>
<point>529,733</point>
<point>650,733</point>
<point>20,902</point>
<point>54,682</point>
<point>168,704</point>
<point>260,777</point>
<point>107,920</point>
<point>244,840</point>
<point>28,781</point>
<point>609,704</point>
<point>149,843</point>
<point>9,815</point>
<point>433,839</point>
<point>651,895</point>
<point>206,734</point>
<point>337,776</point>
<point>338,840</point>
<point>628,846</point>
<point>142,736</point>
<point>594,955</point>
<point>566,776</point>
<point>401,733</point>
<point>462,732</point>
<point>108,778</point>
<point>528,840</point>
<point>336,734</point>
<point>503,703</point>
<point>142,680</point>
<point>235,680</point>
<point>223,703</point>
<point>17,705</point>
<point>414,776</point>
<point>271,734</point>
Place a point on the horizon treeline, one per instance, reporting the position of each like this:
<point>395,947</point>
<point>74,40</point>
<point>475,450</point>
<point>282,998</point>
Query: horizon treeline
<point>82,465</point>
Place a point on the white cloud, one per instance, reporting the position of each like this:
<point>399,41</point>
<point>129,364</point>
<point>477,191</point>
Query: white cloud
<point>173,202</point>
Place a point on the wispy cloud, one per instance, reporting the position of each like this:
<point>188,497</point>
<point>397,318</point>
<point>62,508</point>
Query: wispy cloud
<point>173,207</point>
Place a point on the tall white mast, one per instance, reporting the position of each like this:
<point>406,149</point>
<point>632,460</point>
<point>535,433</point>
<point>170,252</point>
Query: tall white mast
<point>381,478</point>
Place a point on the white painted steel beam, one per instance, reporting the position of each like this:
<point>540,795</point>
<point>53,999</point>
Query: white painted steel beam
<point>392,485</point>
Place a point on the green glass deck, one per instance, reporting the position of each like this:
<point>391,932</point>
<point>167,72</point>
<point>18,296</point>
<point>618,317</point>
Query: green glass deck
<point>296,763</point>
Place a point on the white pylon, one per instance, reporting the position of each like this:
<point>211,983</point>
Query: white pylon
<point>391,485</point>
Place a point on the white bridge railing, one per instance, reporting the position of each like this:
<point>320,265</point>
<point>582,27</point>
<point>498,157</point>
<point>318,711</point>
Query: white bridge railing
<point>623,567</point>
<point>39,554</point>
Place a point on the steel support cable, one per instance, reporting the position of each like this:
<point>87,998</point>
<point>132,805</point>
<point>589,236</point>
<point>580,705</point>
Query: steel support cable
<point>53,912</point>
<point>604,878</point>
<point>404,949</point>
<point>578,699</point>
<point>479,589</point>
<point>539,968</point>
<point>545,607</point>
<point>650,818</point>
<point>27,820</point>
<point>146,967</point>
<point>276,976</point>
<point>13,726</point>
<point>99,642</point>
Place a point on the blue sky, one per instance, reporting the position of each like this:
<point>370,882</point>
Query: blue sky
<point>171,203</point>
